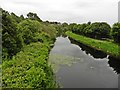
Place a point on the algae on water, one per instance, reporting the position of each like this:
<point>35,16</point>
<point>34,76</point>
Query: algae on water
<point>55,60</point>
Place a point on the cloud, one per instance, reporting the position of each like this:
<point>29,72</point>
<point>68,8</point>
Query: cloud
<point>66,10</point>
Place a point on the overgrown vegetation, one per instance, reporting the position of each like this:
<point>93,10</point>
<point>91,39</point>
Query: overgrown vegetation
<point>26,44</point>
<point>29,68</point>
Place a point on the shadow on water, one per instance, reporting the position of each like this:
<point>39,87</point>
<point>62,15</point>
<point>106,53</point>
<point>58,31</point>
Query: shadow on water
<point>93,52</point>
<point>113,62</point>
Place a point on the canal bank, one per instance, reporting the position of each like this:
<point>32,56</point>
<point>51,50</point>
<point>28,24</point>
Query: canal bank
<point>110,48</point>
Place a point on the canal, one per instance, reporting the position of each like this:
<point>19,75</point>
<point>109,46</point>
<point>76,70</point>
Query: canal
<point>78,66</point>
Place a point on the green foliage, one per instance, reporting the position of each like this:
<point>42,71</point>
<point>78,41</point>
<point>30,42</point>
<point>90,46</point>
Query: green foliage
<point>16,18</point>
<point>72,27</point>
<point>81,29</point>
<point>11,41</point>
<point>50,30</point>
<point>59,30</point>
<point>33,16</point>
<point>18,31</point>
<point>98,30</point>
<point>33,31</point>
<point>95,30</point>
<point>78,28</point>
<point>22,17</point>
<point>64,28</point>
<point>29,68</point>
<point>28,30</point>
<point>25,64</point>
<point>116,32</point>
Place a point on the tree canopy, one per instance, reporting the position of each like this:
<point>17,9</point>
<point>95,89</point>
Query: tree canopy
<point>116,32</point>
<point>33,16</point>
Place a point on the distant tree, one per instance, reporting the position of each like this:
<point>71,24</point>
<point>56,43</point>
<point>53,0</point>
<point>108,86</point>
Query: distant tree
<point>81,28</point>
<point>105,30</point>
<point>88,31</point>
<point>47,21</point>
<point>33,16</point>
<point>116,32</point>
<point>64,27</point>
<point>98,30</point>
<point>89,23</point>
<point>72,27</point>
<point>64,24</point>
<point>22,17</point>
<point>59,29</point>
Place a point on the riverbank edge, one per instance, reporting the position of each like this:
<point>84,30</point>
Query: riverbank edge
<point>113,50</point>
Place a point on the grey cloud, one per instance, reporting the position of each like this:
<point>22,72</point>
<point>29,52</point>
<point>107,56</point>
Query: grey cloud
<point>84,4</point>
<point>63,10</point>
<point>64,16</point>
<point>30,4</point>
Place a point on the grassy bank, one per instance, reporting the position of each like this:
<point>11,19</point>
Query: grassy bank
<point>29,68</point>
<point>105,46</point>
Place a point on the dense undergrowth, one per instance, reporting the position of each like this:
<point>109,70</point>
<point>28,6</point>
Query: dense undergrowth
<point>29,68</point>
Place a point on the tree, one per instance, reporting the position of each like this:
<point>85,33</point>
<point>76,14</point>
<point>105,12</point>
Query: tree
<point>22,17</point>
<point>33,16</point>
<point>64,28</point>
<point>72,27</point>
<point>105,30</point>
<point>89,23</point>
<point>116,32</point>
<point>82,29</point>
<point>98,30</point>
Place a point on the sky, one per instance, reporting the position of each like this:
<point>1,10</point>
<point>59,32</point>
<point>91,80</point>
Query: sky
<point>70,11</point>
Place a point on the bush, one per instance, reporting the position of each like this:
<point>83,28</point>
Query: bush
<point>28,29</point>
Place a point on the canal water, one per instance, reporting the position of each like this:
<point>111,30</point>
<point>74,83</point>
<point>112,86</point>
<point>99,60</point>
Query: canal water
<point>78,66</point>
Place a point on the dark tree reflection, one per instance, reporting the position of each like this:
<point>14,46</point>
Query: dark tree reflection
<point>115,64</point>
<point>93,52</point>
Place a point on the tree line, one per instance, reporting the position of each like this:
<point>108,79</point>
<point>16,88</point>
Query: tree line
<point>18,31</point>
<point>96,30</point>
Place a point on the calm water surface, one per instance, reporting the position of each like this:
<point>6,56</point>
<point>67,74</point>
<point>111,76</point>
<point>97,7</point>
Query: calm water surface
<point>78,66</point>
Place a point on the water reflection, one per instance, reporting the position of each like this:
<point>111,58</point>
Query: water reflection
<point>113,62</point>
<point>75,69</point>
<point>93,52</point>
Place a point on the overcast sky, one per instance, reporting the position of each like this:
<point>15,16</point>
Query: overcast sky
<point>78,11</point>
